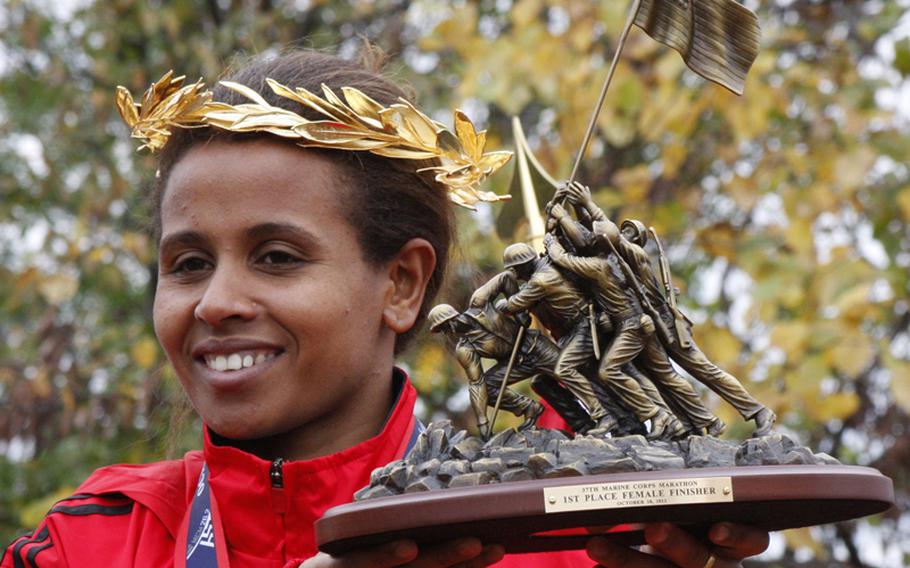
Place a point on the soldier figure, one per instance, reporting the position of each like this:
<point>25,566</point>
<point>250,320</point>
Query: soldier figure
<point>484,332</point>
<point>633,341</point>
<point>629,242</point>
<point>562,308</point>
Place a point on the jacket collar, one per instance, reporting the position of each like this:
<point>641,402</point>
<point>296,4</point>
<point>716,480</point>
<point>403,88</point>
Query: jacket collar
<point>264,519</point>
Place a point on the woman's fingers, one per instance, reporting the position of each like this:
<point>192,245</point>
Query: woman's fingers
<point>679,546</point>
<point>388,555</point>
<point>448,553</point>
<point>612,555</point>
<point>463,552</point>
<point>738,541</point>
<point>673,546</point>
<point>491,554</point>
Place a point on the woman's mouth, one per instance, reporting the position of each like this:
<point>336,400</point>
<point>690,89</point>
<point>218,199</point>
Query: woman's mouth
<point>237,360</point>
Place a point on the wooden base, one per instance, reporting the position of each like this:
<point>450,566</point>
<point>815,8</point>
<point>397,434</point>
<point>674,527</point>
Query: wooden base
<point>515,514</point>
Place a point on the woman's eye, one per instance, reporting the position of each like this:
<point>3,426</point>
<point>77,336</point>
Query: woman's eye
<point>192,264</point>
<point>279,257</point>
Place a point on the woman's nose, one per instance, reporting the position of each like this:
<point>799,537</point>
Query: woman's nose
<point>225,299</point>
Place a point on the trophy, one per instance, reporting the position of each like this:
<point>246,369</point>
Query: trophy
<point>592,322</point>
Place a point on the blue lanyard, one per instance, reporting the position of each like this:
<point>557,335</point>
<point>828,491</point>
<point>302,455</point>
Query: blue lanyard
<point>200,545</point>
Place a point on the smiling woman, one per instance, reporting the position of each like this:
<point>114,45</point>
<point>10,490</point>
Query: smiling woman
<point>289,278</point>
<point>286,283</point>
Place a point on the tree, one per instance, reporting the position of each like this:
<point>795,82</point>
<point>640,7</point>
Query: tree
<point>785,212</point>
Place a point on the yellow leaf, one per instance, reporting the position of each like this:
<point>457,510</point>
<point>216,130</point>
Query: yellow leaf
<point>634,183</point>
<point>41,384</point>
<point>673,156</point>
<point>430,360</point>
<point>799,236</point>
<point>138,245</point>
<point>804,381</point>
<point>720,345</point>
<point>145,352</point>
<point>851,170</point>
<point>742,190</point>
<point>854,303</point>
<point>33,513</point>
<point>900,381</point>
<point>903,202</point>
<point>852,355</point>
<point>719,240</point>
<point>837,406</point>
<point>618,130</point>
<point>823,199</point>
<point>792,337</point>
<point>98,254</point>
<point>526,12</point>
<point>58,288</point>
<point>802,538</point>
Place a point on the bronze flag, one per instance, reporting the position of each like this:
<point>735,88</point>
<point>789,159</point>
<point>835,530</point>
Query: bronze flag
<point>718,39</point>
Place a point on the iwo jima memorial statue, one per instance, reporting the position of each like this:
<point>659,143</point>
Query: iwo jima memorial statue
<point>604,353</point>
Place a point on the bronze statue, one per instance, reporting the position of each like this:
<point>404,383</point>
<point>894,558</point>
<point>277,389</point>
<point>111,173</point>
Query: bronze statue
<point>600,287</point>
<point>612,289</point>
<point>484,332</point>
<point>561,307</point>
<point>634,341</point>
<point>629,241</point>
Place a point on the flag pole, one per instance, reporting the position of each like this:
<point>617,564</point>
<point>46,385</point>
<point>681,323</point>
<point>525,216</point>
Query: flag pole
<point>630,21</point>
<point>532,208</point>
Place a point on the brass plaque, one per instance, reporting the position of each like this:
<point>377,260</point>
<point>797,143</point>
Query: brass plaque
<point>641,493</point>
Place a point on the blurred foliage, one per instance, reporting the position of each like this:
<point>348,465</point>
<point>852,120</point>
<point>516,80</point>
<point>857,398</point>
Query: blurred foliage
<point>785,212</point>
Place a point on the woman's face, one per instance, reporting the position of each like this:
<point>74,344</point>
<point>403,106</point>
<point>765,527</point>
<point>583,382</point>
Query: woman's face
<point>269,314</point>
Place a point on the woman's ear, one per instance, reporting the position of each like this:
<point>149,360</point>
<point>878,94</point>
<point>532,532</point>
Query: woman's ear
<point>409,273</point>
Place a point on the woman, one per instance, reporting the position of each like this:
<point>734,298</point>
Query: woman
<point>289,279</point>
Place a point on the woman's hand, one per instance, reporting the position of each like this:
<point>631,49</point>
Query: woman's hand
<point>670,545</point>
<point>464,552</point>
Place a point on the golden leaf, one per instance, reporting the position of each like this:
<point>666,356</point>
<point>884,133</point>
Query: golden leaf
<point>254,121</point>
<point>448,145</point>
<point>363,105</point>
<point>127,107</point>
<point>334,133</point>
<point>492,161</point>
<point>287,93</point>
<point>356,123</point>
<point>246,92</point>
<point>421,128</point>
<point>466,134</point>
<point>405,154</point>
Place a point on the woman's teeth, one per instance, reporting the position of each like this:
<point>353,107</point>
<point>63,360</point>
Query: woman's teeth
<point>237,361</point>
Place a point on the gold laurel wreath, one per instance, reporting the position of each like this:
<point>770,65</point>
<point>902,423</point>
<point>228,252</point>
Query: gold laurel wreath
<point>355,122</point>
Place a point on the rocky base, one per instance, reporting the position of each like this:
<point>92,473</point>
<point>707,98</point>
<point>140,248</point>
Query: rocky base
<point>445,458</point>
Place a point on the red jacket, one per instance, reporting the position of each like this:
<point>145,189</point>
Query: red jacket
<point>129,515</point>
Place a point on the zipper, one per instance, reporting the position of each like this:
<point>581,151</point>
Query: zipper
<point>276,476</point>
<point>276,473</point>
<point>279,499</point>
